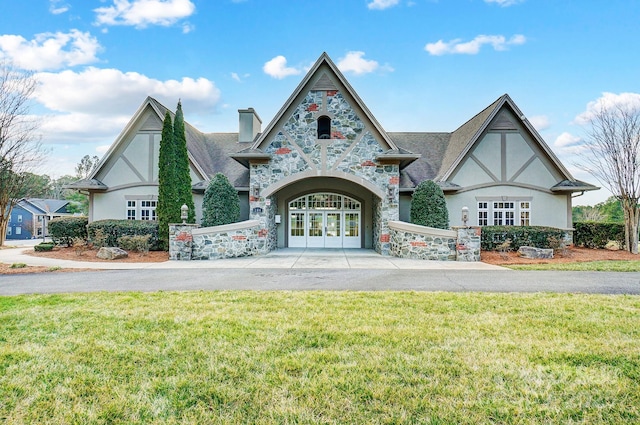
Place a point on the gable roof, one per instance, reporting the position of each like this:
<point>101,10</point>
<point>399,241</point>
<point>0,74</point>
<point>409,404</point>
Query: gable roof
<point>323,83</point>
<point>465,137</point>
<point>422,155</point>
<point>44,206</point>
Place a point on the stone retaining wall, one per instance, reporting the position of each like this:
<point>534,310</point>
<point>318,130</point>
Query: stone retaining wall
<point>188,242</point>
<point>427,243</point>
<point>247,238</point>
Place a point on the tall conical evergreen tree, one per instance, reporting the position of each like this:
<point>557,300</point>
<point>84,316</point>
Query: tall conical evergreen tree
<point>168,209</point>
<point>181,164</point>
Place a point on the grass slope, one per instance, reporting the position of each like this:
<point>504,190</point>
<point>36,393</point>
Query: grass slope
<point>319,357</point>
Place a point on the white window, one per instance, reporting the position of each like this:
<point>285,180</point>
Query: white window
<point>131,210</point>
<point>142,210</point>
<point>148,210</point>
<point>483,213</point>
<point>18,230</point>
<point>8,230</point>
<point>504,213</point>
<point>19,218</point>
<point>525,213</point>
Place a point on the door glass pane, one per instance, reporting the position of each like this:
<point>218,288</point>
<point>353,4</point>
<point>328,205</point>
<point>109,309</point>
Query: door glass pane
<point>315,224</point>
<point>297,224</point>
<point>333,225</point>
<point>351,224</point>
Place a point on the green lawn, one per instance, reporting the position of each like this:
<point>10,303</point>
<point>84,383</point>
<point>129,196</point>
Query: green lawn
<point>319,357</point>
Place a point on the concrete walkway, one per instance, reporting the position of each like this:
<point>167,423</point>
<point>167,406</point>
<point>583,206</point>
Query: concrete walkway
<point>288,258</point>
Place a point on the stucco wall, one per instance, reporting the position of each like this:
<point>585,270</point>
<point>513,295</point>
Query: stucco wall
<point>546,209</point>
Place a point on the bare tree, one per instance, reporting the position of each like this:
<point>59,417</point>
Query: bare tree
<point>86,166</point>
<point>613,158</point>
<point>20,148</point>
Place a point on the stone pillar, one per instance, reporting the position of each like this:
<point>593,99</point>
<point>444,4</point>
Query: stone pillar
<point>468,245</point>
<point>181,241</point>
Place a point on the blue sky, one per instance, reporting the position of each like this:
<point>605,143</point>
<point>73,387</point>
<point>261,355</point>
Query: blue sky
<point>419,65</point>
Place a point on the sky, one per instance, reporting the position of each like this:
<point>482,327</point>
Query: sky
<point>418,65</point>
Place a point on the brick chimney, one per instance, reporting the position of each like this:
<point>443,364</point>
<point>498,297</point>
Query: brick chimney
<point>250,125</point>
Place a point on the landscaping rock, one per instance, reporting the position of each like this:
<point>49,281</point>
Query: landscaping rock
<point>535,253</point>
<point>612,246</point>
<point>111,253</point>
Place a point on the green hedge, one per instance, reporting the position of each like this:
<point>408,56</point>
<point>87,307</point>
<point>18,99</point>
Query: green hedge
<point>538,236</point>
<point>64,230</point>
<point>44,246</point>
<point>596,235</point>
<point>115,229</point>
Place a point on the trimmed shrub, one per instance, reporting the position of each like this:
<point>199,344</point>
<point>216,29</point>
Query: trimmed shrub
<point>112,230</point>
<point>429,207</point>
<point>139,243</point>
<point>597,234</point>
<point>44,246</point>
<point>221,204</point>
<point>64,230</point>
<point>538,236</point>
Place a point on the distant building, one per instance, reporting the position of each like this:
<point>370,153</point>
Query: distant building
<point>30,216</point>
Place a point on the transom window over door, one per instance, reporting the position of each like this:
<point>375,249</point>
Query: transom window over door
<point>324,220</point>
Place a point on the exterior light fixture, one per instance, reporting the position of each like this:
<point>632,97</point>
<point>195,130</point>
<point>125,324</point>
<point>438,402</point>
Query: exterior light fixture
<point>465,215</point>
<point>256,190</point>
<point>184,213</point>
<point>391,192</point>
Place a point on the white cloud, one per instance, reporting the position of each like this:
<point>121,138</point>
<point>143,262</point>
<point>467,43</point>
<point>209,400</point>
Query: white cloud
<point>277,68</point>
<point>382,4</point>
<point>239,78</point>
<point>625,101</point>
<point>141,13</point>
<point>498,42</point>
<point>504,3</point>
<point>540,122</point>
<point>95,103</point>
<point>567,139</point>
<point>58,7</point>
<point>354,62</point>
<point>50,50</point>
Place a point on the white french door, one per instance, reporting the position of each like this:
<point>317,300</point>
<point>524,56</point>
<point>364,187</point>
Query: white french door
<point>328,226</point>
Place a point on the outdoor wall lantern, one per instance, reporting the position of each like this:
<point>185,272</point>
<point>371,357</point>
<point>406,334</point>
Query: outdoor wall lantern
<point>256,190</point>
<point>391,192</point>
<point>184,213</point>
<point>465,215</point>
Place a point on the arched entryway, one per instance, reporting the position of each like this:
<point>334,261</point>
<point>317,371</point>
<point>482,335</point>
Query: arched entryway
<point>324,220</point>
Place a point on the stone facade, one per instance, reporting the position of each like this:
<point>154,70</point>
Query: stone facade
<point>420,242</point>
<point>187,242</point>
<point>349,153</point>
<point>468,245</point>
<point>181,241</point>
<point>426,243</point>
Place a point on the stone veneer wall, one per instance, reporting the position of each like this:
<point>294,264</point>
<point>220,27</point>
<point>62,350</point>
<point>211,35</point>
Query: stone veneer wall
<point>181,241</point>
<point>468,246</point>
<point>426,243</point>
<point>350,151</point>
<point>247,238</point>
<point>421,242</point>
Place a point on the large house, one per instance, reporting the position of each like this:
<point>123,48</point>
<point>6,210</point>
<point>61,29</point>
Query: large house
<point>324,173</point>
